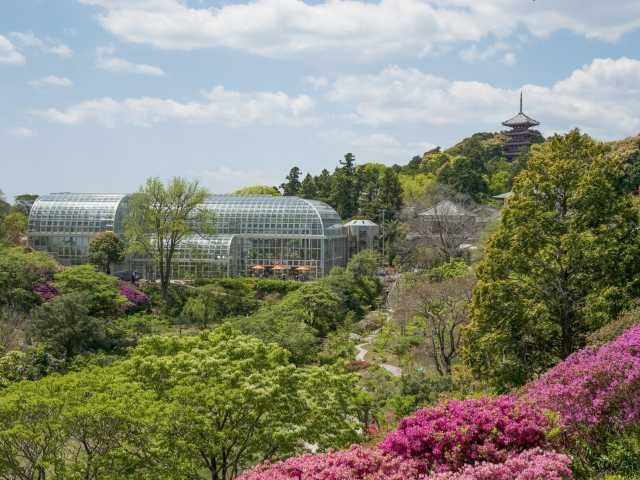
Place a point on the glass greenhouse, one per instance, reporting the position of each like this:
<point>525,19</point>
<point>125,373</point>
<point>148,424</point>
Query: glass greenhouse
<point>63,224</point>
<point>286,237</point>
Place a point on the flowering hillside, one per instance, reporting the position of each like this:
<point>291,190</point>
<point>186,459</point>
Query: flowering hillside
<point>506,437</point>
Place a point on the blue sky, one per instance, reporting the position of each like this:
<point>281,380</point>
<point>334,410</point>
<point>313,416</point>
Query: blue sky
<point>99,94</point>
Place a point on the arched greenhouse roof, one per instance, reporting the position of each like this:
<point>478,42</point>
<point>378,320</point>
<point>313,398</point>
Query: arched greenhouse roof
<point>273,215</point>
<point>71,213</point>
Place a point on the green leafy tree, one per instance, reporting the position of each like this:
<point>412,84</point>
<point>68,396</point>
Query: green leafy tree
<point>345,193</point>
<point>104,249</point>
<point>234,401</point>
<point>100,289</point>
<point>13,227</point>
<point>564,261</point>
<point>65,326</point>
<point>24,202</point>
<point>463,175</point>
<point>317,305</point>
<point>160,217</point>
<point>258,190</point>
<point>292,186</point>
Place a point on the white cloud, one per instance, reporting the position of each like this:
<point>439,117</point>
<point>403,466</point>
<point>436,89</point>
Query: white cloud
<point>227,107</point>
<point>278,28</point>
<point>499,51</point>
<point>49,45</point>
<point>9,54</point>
<point>376,142</point>
<point>51,81</point>
<point>317,83</point>
<point>603,98</point>
<point>106,60</point>
<point>227,179</point>
<point>21,132</point>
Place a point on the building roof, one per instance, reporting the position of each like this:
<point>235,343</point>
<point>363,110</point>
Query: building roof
<point>77,213</point>
<point>521,120</point>
<point>504,196</point>
<point>361,223</point>
<point>446,208</point>
<point>273,215</point>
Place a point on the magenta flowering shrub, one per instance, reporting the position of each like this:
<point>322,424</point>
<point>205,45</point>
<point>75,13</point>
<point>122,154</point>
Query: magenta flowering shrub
<point>534,464</point>
<point>45,291</point>
<point>462,432</point>
<point>356,463</point>
<point>594,386</point>
<point>135,298</point>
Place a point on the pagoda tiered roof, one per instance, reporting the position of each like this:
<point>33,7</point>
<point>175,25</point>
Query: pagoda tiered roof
<point>521,120</point>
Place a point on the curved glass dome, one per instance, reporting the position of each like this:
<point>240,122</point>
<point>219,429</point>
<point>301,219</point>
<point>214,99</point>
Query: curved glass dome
<point>73,213</point>
<point>271,215</point>
<point>63,224</point>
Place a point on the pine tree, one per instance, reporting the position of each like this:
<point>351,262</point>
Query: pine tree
<point>292,186</point>
<point>345,191</point>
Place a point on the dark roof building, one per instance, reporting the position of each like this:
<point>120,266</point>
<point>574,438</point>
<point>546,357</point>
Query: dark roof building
<point>520,137</point>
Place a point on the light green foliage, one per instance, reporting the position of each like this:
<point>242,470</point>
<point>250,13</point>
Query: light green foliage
<point>88,425</point>
<point>13,227</point>
<point>140,324</point>
<point>364,264</point>
<point>448,270</point>
<point>337,346</point>
<point>202,407</point>
<point>206,306</point>
<point>19,270</point>
<point>416,187</point>
<point>104,249</point>
<point>160,216</point>
<point>236,401</point>
<point>99,289</point>
<point>258,190</point>
<point>562,262</point>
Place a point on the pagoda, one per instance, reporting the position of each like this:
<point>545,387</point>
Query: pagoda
<point>520,137</point>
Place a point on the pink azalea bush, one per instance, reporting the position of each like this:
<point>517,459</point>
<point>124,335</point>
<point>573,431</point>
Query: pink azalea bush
<point>358,462</point>
<point>534,464</point>
<point>594,386</point>
<point>135,298</point>
<point>461,432</point>
<point>45,291</point>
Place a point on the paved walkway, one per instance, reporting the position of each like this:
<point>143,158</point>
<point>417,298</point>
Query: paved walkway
<point>362,353</point>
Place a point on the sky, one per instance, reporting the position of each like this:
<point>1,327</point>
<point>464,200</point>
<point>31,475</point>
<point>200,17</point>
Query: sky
<point>98,95</point>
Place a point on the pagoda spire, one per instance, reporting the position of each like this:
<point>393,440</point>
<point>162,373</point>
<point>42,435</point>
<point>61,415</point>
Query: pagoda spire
<point>521,101</point>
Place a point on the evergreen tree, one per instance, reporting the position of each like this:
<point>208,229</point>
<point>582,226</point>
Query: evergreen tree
<point>324,187</point>
<point>292,186</point>
<point>308,187</point>
<point>390,193</point>
<point>345,191</point>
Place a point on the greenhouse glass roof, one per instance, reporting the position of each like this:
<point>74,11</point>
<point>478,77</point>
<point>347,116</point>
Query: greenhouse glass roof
<point>273,215</point>
<point>71,213</point>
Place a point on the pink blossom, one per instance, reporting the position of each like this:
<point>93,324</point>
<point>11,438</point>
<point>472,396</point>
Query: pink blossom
<point>594,386</point>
